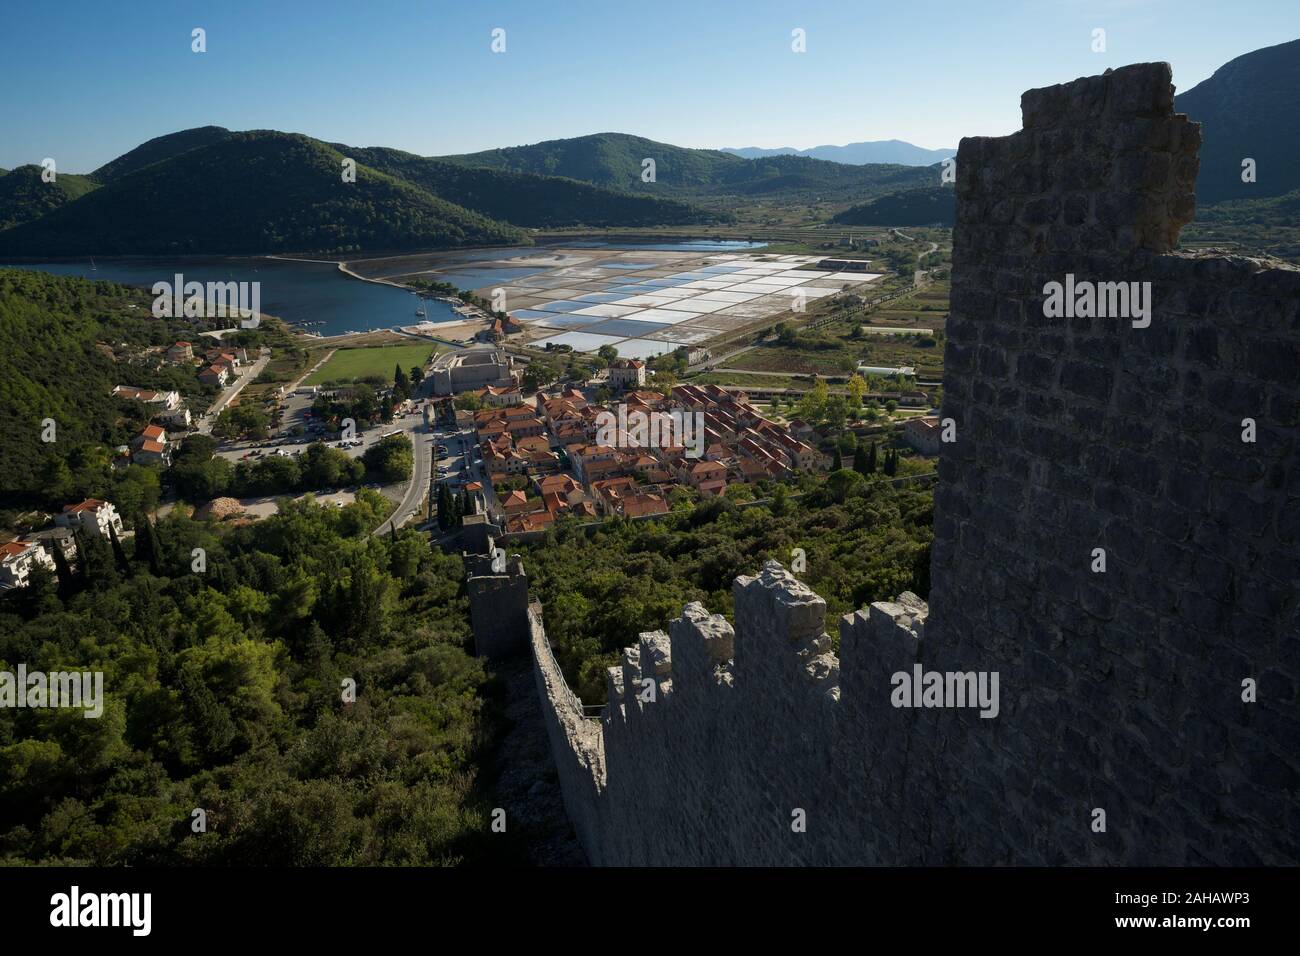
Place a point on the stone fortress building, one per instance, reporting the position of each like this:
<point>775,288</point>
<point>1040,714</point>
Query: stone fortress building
<point>468,369</point>
<point>1117,538</point>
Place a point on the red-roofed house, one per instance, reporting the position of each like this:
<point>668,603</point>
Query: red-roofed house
<point>17,558</point>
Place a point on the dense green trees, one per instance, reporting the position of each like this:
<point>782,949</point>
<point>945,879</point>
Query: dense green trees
<point>864,541</point>
<point>245,420</point>
<point>224,691</point>
<point>56,379</point>
<point>198,475</point>
<point>390,459</point>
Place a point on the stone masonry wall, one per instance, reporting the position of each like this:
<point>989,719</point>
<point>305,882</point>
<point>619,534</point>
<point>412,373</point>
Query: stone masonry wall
<point>1119,690</point>
<point>498,604</point>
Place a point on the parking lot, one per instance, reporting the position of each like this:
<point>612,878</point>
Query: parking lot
<point>286,444</point>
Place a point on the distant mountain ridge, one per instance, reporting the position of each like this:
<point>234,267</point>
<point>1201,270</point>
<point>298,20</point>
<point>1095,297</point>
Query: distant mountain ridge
<point>255,192</point>
<point>526,199</point>
<point>1248,108</point>
<point>213,191</point>
<point>895,151</point>
<point>617,160</point>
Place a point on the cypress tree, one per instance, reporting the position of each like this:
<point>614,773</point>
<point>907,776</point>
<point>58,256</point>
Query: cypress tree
<point>444,508</point>
<point>67,581</point>
<point>155,549</point>
<point>147,546</point>
<point>83,563</point>
<point>119,554</point>
<point>891,462</point>
<point>871,460</point>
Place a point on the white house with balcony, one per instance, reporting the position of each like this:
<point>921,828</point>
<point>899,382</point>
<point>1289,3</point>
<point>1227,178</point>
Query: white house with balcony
<point>17,558</point>
<point>91,515</point>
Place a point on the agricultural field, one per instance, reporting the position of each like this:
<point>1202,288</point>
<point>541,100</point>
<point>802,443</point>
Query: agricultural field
<point>354,364</point>
<point>927,309</point>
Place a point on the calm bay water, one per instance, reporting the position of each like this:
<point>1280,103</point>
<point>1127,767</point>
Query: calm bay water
<point>297,292</point>
<point>316,297</point>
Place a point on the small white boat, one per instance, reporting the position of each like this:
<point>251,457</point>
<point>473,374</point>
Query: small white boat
<point>420,313</point>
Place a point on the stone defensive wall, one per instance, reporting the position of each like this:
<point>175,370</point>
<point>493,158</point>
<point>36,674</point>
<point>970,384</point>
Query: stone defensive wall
<point>1114,627</point>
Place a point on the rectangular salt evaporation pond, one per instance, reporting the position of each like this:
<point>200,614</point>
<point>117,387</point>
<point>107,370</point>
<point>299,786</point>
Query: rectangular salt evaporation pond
<point>560,320</point>
<point>563,305</point>
<point>607,311</point>
<point>531,315</point>
<point>599,297</point>
<point>698,305</point>
<point>643,348</point>
<point>625,327</point>
<point>578,341</point>
<point>762,287</point>
<point>480,278</point>
<point>726,296</point>
<point>653,298</point>
<point>663,316</point>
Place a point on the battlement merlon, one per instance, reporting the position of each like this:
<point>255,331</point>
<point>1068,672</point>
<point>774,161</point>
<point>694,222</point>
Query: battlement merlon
<point>703,646</point>
<point>657,662</point>
<point>877,642</point>
<point>777,614</point>
<point>1103,164</point>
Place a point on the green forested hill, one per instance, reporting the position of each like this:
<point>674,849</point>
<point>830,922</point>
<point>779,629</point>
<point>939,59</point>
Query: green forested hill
<point>527,199</point>
<point>611,159</point>
<point>24,196</point>
<point>256,192</point>
<point>929,205</point>
<point>158,149</point>
<point>615,160</point>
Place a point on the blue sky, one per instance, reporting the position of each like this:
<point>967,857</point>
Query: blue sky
<point>86,80</point>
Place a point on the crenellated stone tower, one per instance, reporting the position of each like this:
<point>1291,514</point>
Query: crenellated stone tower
<point>1124,684</point>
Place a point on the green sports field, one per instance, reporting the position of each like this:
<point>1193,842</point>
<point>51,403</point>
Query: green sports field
<point>348,365</point>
